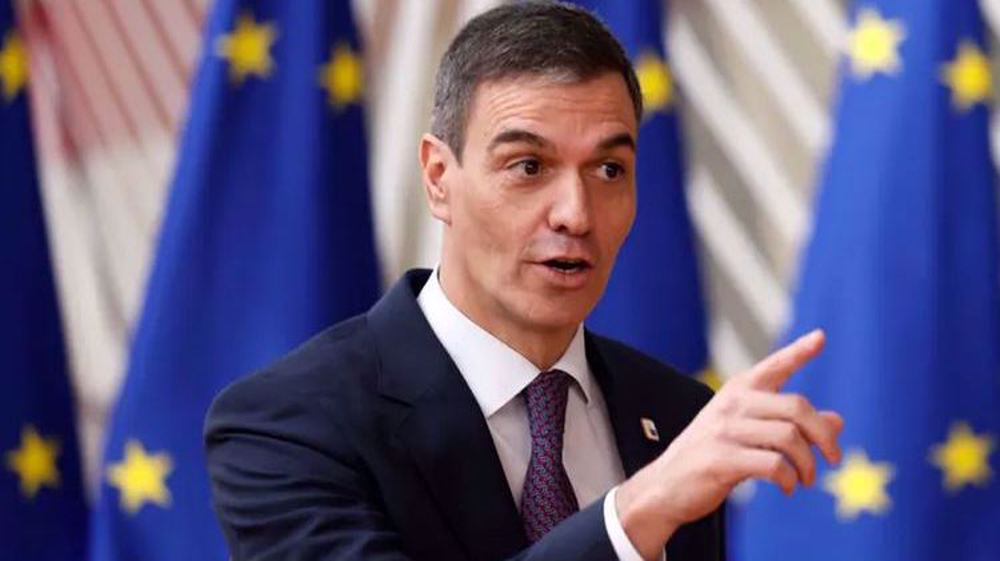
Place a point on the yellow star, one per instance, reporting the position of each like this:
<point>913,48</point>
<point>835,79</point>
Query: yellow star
<point>34,462</point>
<point>13,66</point>
<point>655,82</point>
<point>141,477</point>
<point>873,44</point>
<point>711,378</point>
<point>248,49</point>
<point>963,457</point>
<point>859,485</point>
<point>968,76</point>
<point>342,76</point>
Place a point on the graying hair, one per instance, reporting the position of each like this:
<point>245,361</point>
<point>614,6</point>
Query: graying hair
<point>547,39</point>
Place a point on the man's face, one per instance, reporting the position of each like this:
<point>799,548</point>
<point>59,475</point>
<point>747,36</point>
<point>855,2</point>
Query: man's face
<point>542,201</point>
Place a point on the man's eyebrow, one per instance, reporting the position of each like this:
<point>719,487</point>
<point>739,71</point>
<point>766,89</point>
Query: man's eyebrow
<point>517,135</point>
<point>622,139</point>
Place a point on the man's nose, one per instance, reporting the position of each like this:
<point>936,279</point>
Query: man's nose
<point>571,208</point>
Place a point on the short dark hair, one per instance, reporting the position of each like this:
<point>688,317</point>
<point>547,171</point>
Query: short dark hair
<point>550,39</point>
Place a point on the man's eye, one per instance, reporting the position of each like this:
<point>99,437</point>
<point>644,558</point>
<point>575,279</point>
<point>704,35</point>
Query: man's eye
<point>611,170</point>
<point>529,167</point>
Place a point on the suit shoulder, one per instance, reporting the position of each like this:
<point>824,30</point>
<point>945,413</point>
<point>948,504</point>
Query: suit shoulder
<point>653,373</point>
<point>337,360</point>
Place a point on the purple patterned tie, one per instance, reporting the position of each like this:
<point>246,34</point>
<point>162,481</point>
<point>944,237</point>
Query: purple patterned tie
<point>548,496</point>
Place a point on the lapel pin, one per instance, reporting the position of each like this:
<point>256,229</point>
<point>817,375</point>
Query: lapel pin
<point>649,429</point>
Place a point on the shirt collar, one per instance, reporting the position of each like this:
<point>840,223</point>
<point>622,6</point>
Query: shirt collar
<point>494,372</point>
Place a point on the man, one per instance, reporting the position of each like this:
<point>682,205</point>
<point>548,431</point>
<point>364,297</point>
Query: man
<point>468,415</point>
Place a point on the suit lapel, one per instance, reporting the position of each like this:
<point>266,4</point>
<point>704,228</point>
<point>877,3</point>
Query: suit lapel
<point>629,401</point>
<point>443,428</point>
<point>451,444</point>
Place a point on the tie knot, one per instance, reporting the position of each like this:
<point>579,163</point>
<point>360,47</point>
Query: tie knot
<point>546,398</point>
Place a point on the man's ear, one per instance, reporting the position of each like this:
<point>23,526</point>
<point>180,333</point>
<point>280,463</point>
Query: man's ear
<point>439,166</point>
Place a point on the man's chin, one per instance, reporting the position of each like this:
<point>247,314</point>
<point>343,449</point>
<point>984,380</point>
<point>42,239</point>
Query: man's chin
<point>555,312</point>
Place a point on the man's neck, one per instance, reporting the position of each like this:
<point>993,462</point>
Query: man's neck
<point>542,347</point>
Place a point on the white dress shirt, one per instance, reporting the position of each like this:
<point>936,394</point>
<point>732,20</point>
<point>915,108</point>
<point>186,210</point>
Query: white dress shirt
<point>496,374</point>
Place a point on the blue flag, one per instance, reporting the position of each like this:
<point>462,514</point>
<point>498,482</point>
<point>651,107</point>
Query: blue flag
<point>267,239</point>
<point>653,300</point>
<point>902,274</point>
<point>42,511</point>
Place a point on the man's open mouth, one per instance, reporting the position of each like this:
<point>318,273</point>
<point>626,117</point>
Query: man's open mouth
<point>567,265</point>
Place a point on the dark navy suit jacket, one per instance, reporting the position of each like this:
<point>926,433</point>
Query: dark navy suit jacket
<point>367,444</point>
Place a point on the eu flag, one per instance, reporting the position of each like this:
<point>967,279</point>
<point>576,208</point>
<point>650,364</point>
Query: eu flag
<point>42,510</point>
<point>902,274</point>
<point>653,300</point>
<point>267,239</point>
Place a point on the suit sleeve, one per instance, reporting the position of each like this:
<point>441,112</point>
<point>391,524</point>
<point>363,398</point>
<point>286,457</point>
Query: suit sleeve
<point>287,484</point>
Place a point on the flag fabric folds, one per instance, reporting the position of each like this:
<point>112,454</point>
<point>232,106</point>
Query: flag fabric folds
<point>902,274</point>
<point>653,300</point>
<point>42,511</point>
<point>267,238</point>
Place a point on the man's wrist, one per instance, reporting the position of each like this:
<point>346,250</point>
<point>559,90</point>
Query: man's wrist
<point>625,550</point>
<point>644,517</point>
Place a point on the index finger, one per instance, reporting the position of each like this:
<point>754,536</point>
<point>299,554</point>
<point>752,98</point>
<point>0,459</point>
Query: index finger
<point>772,372</point>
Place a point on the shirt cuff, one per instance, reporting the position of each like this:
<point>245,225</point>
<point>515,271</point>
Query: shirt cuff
<point>623,547</point>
